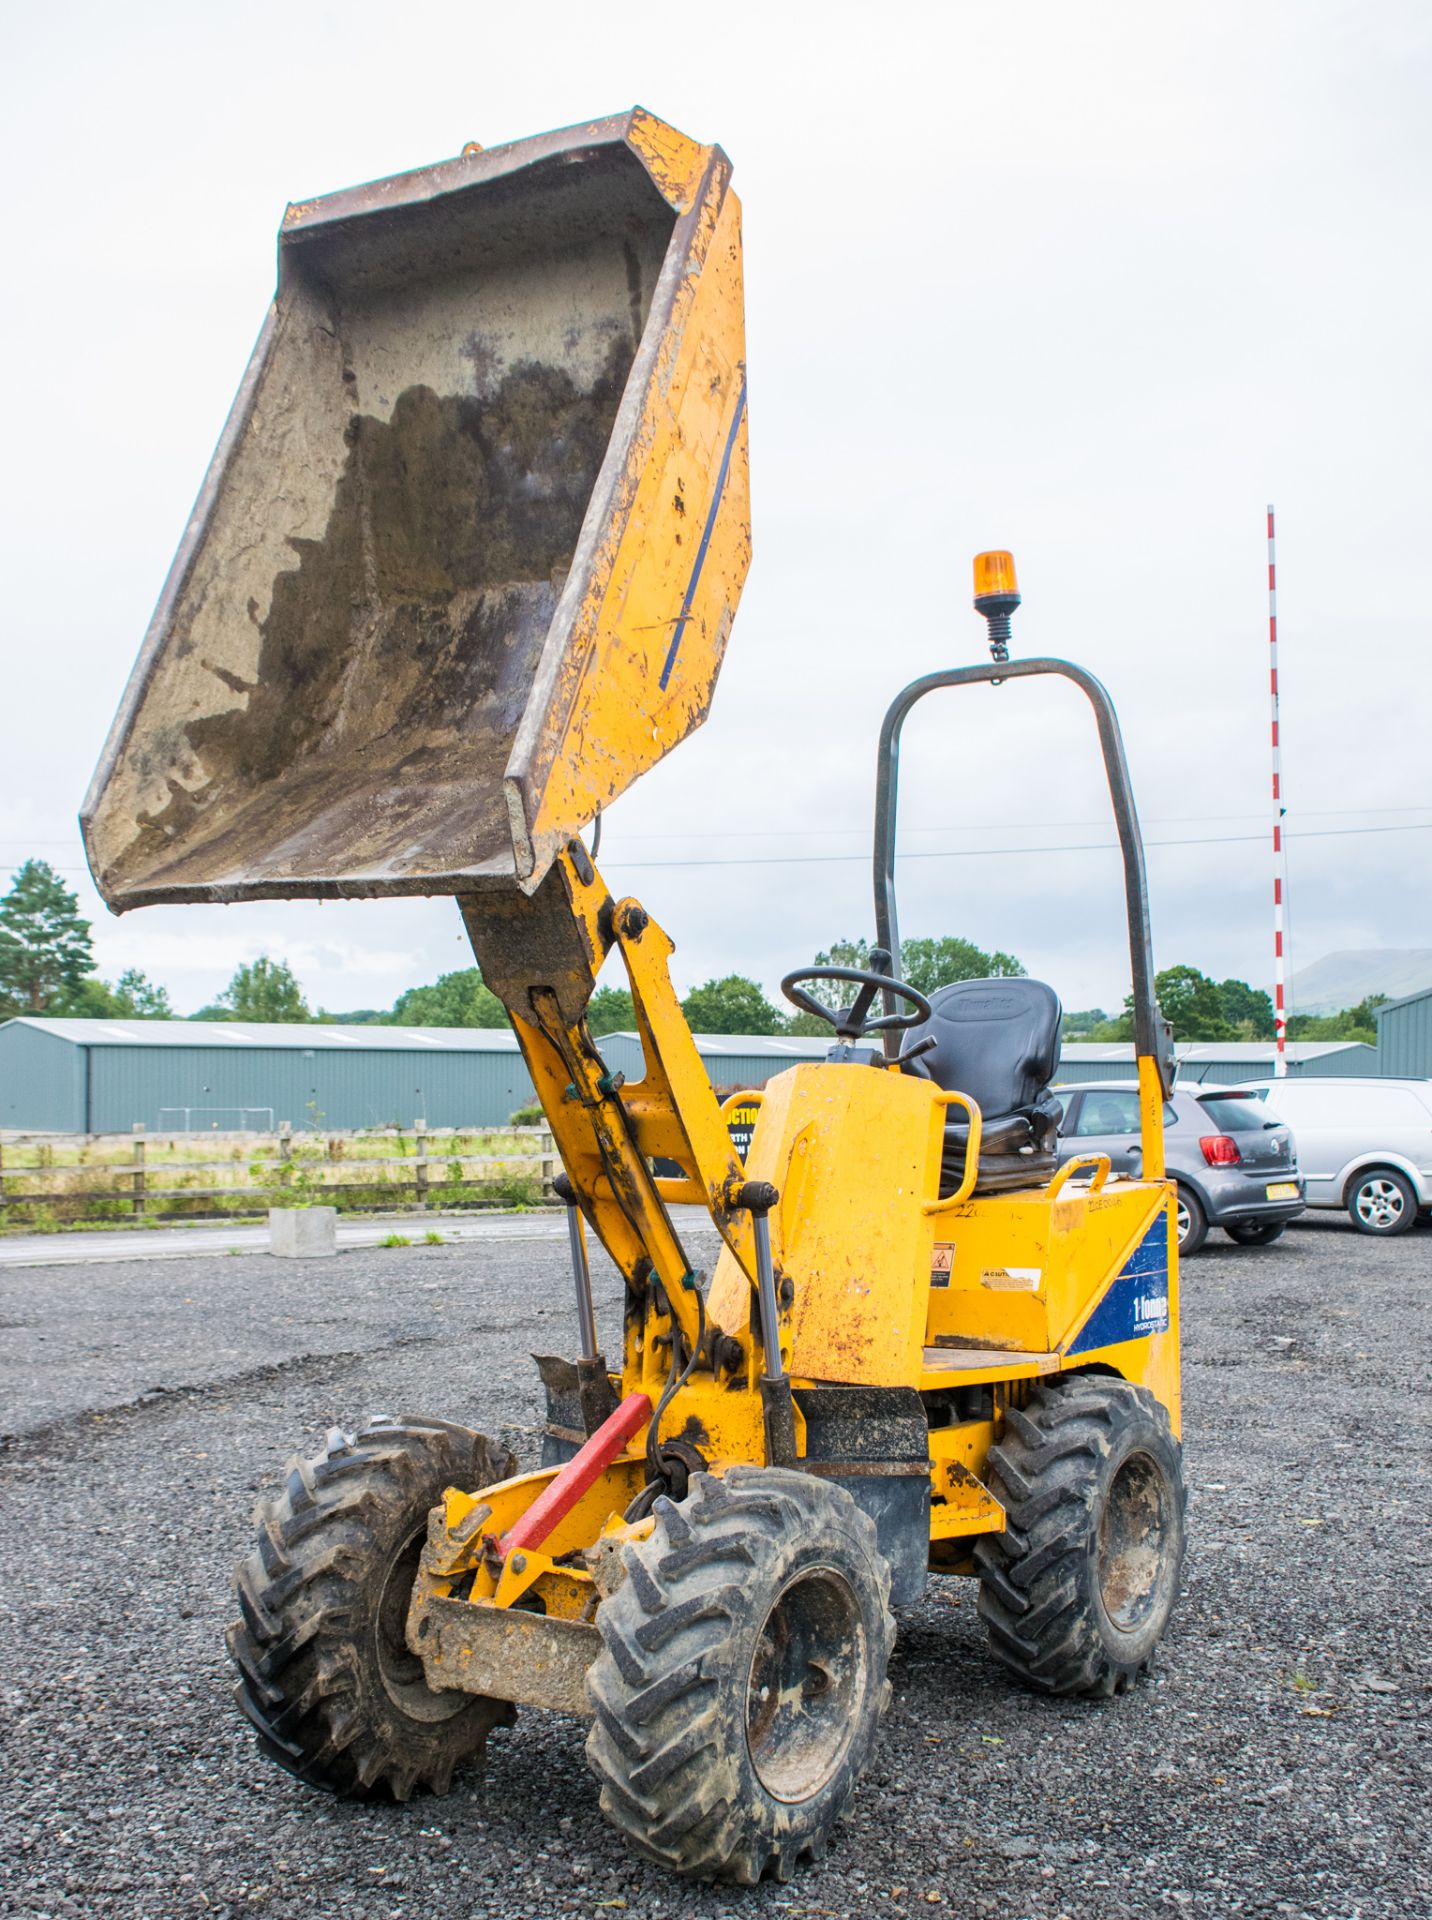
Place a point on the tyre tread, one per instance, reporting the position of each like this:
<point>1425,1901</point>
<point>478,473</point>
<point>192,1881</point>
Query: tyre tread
<point>669,1781</point>
<point>298,1593</point>
<point>1034,1577</point>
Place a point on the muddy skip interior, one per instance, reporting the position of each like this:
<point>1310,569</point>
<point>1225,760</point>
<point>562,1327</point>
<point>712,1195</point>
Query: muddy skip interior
<point>351,647</point>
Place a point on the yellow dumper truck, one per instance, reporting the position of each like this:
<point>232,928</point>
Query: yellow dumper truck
<point>464,566</point>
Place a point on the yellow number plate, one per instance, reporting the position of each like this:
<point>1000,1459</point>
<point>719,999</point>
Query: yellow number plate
<point>1283,1190</point>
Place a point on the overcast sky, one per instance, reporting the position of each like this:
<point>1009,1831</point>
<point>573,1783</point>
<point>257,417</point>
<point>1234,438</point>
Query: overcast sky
<point>1092,282</point>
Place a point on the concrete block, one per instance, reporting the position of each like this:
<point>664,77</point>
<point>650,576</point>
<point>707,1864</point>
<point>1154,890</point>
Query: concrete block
<point>303,1233</point>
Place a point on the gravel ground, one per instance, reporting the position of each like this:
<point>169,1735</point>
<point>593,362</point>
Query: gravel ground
<point>1278,1763</point>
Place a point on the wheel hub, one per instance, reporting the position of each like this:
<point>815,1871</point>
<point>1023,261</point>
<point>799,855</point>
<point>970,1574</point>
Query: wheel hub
<point>1133,1529</point>
<point>807,1675</point>
<point>1379,1203</point>
<point>402,1671</point>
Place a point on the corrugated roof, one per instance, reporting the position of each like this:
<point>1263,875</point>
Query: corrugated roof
<point>799,1046</point>
<point>1077,1050</point>
<point>248,1035</point>
<point>793,1046</point>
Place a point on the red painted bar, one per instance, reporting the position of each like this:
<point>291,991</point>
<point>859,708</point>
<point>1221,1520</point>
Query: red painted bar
<point>580,1472</point>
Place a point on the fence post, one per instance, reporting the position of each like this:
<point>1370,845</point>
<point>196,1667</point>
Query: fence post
<point>137,1205</point>
<point>2,1182</point>
<point>282,1174</point>
<point>420,1163</point>
<point>547,1146</point>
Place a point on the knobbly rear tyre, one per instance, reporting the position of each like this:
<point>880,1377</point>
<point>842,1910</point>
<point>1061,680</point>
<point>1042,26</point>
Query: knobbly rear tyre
<point>325,1675</point>
<point>742,1678</point>
<point>1077,1591</point>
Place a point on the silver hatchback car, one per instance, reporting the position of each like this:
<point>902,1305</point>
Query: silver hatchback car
<point>1234,1161</point>
<point>1366,1144</point>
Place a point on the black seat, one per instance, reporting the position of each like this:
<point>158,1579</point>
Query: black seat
<point>998,1042</point>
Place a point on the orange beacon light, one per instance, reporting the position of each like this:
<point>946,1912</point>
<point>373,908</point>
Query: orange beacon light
<point>996,597</point>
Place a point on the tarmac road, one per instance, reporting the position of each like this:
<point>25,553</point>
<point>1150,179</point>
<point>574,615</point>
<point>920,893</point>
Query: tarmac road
<point>102,1246</point>
<point>1278,1763</point>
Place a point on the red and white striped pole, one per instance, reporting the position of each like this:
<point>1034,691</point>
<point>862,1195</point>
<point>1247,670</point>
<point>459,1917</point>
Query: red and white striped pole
<point>1280,1019</point>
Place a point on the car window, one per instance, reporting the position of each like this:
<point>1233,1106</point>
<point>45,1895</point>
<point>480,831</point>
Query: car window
<point>1115,1110</point>
<point>1237,1112</point>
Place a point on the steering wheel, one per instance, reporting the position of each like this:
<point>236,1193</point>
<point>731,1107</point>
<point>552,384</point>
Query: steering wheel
<point>850,1022</point>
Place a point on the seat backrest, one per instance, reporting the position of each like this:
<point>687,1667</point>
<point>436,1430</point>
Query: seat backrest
<point>996,1040</point>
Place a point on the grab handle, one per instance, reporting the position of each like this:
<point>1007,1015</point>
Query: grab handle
<point>972,1153</point>
<point>752,1099</point>
<point>1100,1163</point>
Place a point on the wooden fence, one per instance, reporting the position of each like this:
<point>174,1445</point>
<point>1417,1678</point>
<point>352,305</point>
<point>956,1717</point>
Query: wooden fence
<point>63,1180</point>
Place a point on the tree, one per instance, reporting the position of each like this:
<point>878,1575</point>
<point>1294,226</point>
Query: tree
<point>925,964</point>
<point>1247,1010</point>
<point>261,989</point>
<point>139,998</point>
<point>1079,1026</point>
<point>929,964</point>
<point>92,999</point>
<point>1352,1023</point>
<point>1190,1002</point>
<point>135,998</point>
<point>732,1005</point>
<point>455,1000</point>
<point>45,947</point>
<point>610,1010</point>
<point>807,1025</point>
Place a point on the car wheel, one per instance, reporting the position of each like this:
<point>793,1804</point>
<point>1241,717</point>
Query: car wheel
<point>1190,1222</point>
<point>1256,1233</point>
<point>1381,1201</point>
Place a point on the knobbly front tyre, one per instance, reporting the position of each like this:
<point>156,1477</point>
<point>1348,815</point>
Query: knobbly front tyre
<point>325,1675</point>
<point>1077,1591</point>
<point>742,1678</point>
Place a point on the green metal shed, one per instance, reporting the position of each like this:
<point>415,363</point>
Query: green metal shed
<point>107,1076</point>
<point>731,1059</point>
<point>1404,1036</point>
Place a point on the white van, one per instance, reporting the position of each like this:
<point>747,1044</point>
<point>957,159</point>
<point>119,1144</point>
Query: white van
<point>1363,1144</point>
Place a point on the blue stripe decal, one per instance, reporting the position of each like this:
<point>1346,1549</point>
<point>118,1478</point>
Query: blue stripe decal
<point>700,561</point>
<point>1136,1305</point>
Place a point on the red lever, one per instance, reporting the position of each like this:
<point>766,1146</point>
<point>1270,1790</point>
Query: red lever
<point>559,1497</point>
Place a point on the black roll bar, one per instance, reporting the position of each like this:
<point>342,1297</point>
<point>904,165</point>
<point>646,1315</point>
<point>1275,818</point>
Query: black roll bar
<point>1152,1035</point>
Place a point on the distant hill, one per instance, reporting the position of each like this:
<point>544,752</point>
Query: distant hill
<point>1345,979</point>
